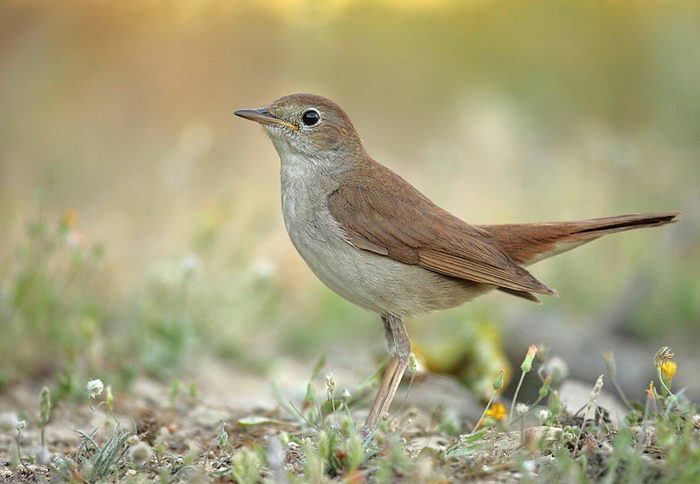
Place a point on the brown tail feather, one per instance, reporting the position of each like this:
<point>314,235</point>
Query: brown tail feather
<point>530,243</point>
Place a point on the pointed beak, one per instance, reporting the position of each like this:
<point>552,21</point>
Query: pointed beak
<point>263,117</point>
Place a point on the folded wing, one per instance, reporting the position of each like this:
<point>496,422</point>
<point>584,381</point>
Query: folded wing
<point>389,217</point>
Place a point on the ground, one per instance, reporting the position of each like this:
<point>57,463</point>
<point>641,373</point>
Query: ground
<point>245,431</point>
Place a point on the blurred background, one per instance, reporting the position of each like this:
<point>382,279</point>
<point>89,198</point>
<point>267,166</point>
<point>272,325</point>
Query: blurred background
<point>141,224</point>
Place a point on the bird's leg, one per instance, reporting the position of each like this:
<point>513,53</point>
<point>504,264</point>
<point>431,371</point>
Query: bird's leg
<point>388,373</point>
<point>400,350</point>
<point>403,353</point>
<point>373,416</point>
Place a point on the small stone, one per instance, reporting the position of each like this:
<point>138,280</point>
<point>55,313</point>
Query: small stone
<point>207,417</point>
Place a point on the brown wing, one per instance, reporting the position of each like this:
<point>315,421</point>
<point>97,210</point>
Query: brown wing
<point>386,215</point>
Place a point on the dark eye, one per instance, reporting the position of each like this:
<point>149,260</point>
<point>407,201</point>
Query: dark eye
<point>311,117</point>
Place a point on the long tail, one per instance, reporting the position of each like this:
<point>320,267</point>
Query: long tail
<point>530,243</point>
<point>533,242</point>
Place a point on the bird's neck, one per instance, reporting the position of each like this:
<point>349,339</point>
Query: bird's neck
<point>297,165</point>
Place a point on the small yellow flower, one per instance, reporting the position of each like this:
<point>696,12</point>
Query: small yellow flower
<point>497,411</point>
<point>651,391</point>
<point>668,369</point>
<point>70,218</point>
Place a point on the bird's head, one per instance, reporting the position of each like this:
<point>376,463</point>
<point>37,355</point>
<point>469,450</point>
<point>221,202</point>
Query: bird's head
<point>308,125</point>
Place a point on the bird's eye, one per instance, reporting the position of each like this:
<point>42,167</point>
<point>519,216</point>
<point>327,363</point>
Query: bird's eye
<point>311,117</point>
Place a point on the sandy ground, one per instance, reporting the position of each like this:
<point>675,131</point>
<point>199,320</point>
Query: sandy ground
<point>231,396</point>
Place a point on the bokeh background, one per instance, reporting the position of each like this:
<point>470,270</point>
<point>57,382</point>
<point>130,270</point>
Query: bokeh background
<point>141,227</point>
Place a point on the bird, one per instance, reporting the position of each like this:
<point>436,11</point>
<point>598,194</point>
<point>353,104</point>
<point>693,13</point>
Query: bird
<point>378,242</point>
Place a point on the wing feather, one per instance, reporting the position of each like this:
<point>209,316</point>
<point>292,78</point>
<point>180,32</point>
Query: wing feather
<point>389,217</point>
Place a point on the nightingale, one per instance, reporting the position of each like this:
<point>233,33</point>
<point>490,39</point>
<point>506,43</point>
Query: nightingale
<point>377,241</point>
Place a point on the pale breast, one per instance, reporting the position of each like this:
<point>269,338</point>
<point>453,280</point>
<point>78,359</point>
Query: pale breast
<point>372,281</point>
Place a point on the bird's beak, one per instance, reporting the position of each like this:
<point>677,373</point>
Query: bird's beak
<point>263,117</point>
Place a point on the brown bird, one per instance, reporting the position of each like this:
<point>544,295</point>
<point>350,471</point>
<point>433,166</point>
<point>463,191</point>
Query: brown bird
<point>377,241</point>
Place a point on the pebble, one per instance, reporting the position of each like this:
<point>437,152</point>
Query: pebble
<point>208,417</point>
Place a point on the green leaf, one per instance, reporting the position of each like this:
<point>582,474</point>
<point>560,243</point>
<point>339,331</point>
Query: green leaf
<point>461,451</point>
<point>258,420</point>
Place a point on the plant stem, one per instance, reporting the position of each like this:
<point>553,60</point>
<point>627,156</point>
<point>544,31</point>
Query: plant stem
<point>19,449</point>
<point>486,409</point>
<point>515,396</point>
<point>663,383</point>
<point>622,394</point>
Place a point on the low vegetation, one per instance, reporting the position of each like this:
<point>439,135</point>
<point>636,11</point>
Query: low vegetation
<point>318,439</point>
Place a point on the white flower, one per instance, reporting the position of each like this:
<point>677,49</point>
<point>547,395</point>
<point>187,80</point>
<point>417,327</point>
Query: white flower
<point>95,388</point>
<point>263,267</point>
<point>140,453</point>
<point>521,409</point>
<point>557,368</point>
<point>42,455</point>
<point>21,425</point>
<point>190,263</point>
<point>543,414</point>
<point>75,238</point>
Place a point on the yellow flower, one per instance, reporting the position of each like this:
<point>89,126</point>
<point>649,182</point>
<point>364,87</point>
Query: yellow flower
<point>497,411</point>
<point>651,391</point>
<point>70,218</point>
<point>668,369</point>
